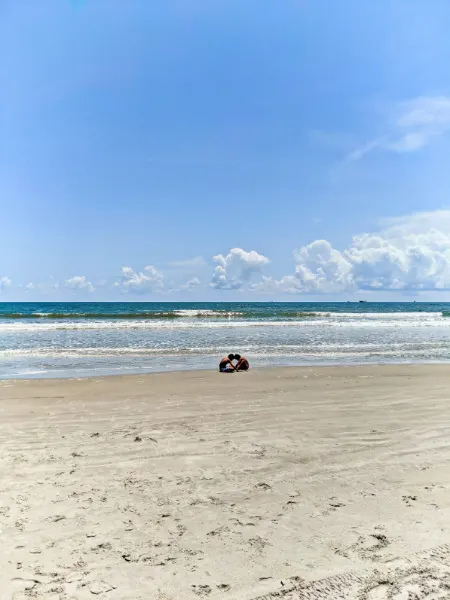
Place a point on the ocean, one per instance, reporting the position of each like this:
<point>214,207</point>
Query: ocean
<point>87,339</point>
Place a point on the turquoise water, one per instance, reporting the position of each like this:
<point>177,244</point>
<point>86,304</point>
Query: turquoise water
<point>82,339</point>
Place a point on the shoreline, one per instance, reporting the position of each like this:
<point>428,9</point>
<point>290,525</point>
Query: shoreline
<point>258,368</point>
<point>189,485</point>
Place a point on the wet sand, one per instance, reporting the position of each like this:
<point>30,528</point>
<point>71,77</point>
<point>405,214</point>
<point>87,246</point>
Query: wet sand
<point>302,483</point>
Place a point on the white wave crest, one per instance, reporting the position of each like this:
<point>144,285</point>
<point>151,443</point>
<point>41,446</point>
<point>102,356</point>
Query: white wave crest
<point>397,319</point>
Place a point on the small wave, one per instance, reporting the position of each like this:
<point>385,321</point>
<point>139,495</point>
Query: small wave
<point>185,324</point>
<point>252,350</point>
<point>142,324</point>
<point>175,314</point>
<point>205,314</point>
<point>117,316</point>
<point>301,314</point>
<point>384,315</point>
<point>189,313</point>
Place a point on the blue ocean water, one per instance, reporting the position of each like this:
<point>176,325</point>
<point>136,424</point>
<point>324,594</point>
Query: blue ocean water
<point>83,339</point>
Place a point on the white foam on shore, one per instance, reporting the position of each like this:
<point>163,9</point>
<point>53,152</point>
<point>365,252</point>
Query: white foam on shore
<point>324,349</point>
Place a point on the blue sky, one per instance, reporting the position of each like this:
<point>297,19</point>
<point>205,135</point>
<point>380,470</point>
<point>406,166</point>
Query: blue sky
<point>219,150</point>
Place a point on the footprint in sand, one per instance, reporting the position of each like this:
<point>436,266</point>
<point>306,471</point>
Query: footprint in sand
<point>101,587</point>
<point>219,531</point>
<point>409,500</point>
<point>20,524</point>
<point>333,506</point>
<point>263,486</point>
<point>367,547</point>
<point>258,543</point>
<point>201,590</point>
<point>103,547</point>
<point>24,585</point>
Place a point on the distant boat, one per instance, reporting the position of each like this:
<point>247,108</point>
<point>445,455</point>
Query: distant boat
<point>363,301</point>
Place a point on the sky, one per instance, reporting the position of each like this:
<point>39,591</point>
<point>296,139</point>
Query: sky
<point>212,150</point>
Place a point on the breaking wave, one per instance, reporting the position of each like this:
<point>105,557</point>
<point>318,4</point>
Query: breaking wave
<point>175,314</point>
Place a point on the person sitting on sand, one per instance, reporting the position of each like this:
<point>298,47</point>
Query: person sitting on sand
<point>242,363</point>
<point>226,364</point>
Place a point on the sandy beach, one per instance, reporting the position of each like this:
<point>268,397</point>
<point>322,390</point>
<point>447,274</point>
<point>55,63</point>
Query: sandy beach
<point>302,483</point>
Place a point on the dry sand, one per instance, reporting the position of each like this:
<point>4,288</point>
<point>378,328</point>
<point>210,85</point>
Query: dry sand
<point>301,483</point>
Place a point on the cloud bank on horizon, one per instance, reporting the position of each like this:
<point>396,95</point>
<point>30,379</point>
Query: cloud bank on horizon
<point>410,253</point>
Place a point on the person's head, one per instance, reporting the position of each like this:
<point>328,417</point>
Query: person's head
<point>231,356</point>
<point>237,357</point>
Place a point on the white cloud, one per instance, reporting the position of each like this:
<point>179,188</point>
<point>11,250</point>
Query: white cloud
<point>5,282</point>
<point>192,284</point>
<point>288,284</point>
<point>44,288</point>
<point>418,123</point>
<point>236,268</point>
<point>188,286</point>
<point>79,282</point>
<point>320,267</point>
<point>361,151</point>
<point>137,282</point>
<point>408,253</point>
<point>190,263</point>
<point>418,222</point>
